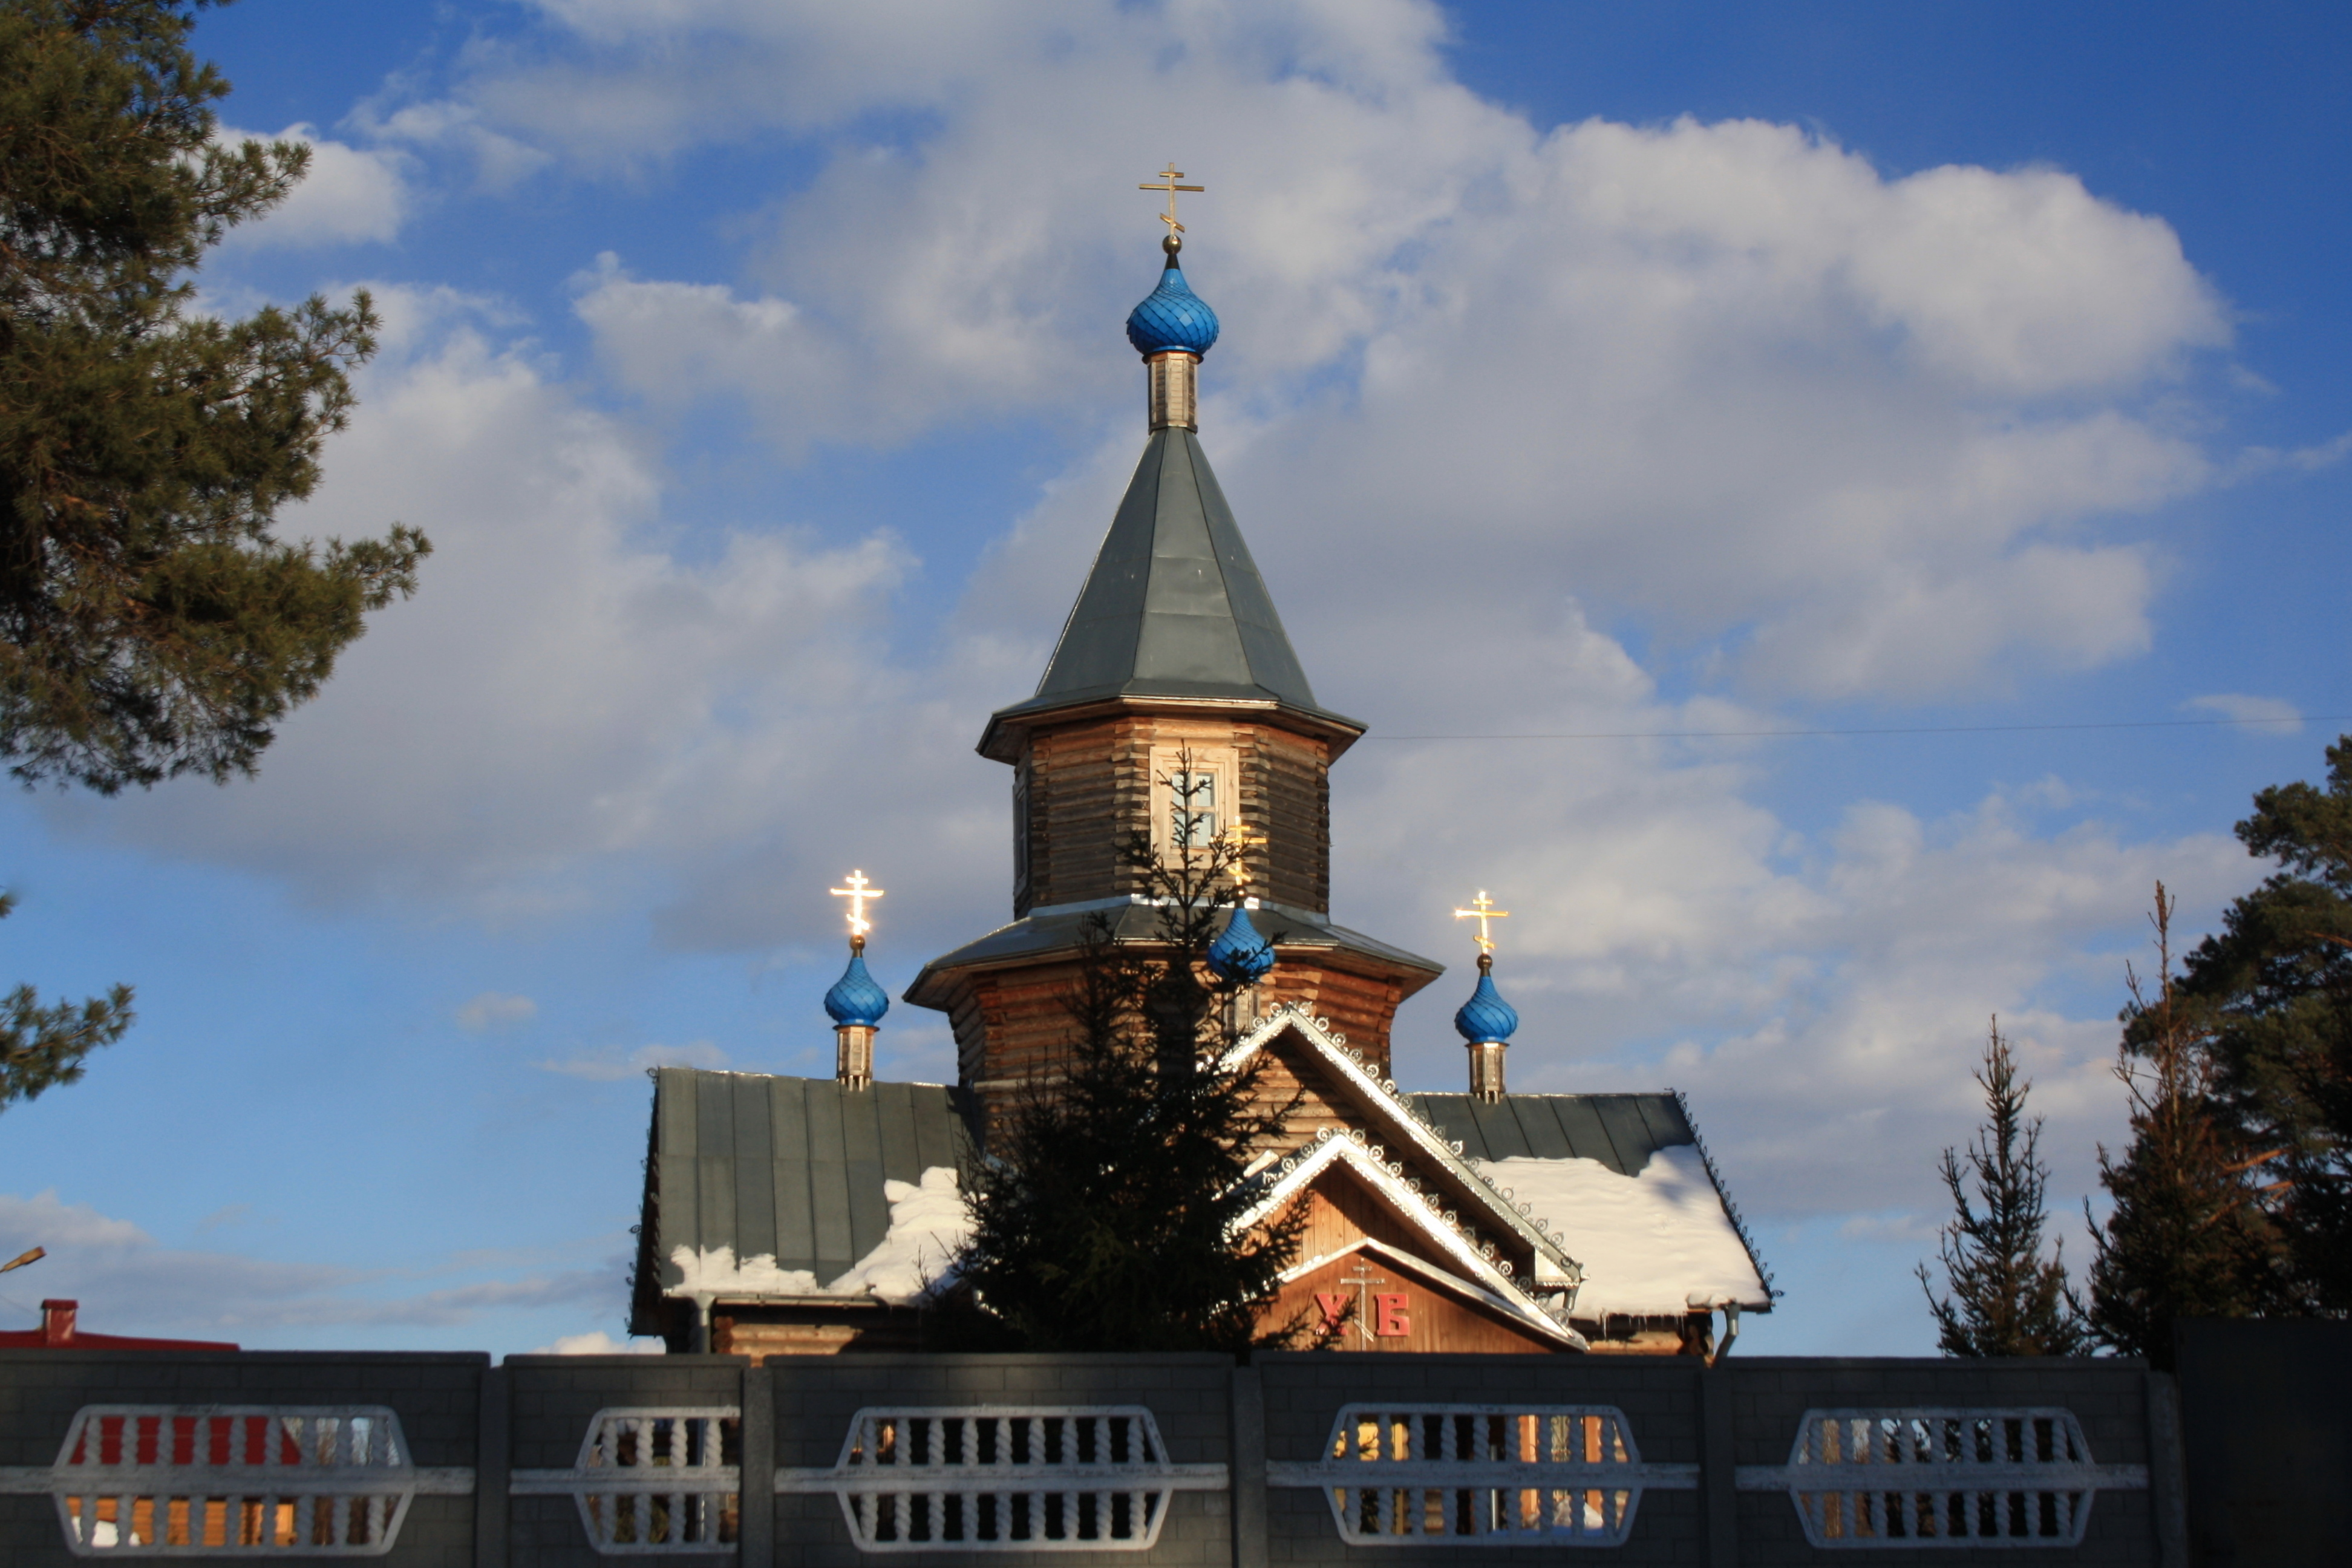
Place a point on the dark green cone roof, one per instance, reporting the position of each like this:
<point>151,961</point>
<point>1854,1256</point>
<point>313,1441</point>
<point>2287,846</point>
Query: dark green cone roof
<point>1175,607</point>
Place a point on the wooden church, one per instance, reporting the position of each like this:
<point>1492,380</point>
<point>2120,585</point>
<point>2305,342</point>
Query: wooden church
<point>798,1216</point>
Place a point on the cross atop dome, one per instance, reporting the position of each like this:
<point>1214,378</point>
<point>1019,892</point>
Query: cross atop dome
<point>855,1002</point>
<point>858,892</point>
<point>1167,178</point>
<point>1172,321</point>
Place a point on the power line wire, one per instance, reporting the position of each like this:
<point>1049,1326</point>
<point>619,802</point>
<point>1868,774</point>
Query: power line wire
<point>1897,730</point>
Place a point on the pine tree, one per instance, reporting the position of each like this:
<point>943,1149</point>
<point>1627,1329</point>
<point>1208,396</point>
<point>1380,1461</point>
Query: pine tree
<point>41,1047</point>
<point>2276,983</point>
<point>1107,1213</point>
<point>151,623</point>
<point>2186,1238</point>
<point>2007,1299</point>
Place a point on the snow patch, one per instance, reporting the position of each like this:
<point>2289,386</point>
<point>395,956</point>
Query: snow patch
<point>1648,1243</point>
<point>930,1223</point>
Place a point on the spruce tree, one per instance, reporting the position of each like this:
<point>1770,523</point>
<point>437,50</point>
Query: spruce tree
<point>2186,1238</point>
<point>150,621</point>
<point>2006,1297</point>
<point>1108,1211</point>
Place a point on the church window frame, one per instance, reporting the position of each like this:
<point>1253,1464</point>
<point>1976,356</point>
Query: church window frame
<point>1214,808</point>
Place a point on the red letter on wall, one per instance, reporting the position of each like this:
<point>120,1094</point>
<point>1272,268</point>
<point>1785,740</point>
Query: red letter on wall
<point>1334,1305</point>
<point>1390,1317</point>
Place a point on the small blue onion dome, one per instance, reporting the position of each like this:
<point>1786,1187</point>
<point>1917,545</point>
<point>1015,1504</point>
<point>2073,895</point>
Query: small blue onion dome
<point>1171,316</point>
<point>854,998</point>
<point>1486,1018</point>
<point>1240,955</point>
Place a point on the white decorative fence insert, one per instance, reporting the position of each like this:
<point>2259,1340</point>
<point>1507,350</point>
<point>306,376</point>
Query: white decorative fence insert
<point>653,1479</point>
<point>1087,1477</point>
<point>1942,1477</point>
<point>223,1481</point>
<point>1483,1474</point>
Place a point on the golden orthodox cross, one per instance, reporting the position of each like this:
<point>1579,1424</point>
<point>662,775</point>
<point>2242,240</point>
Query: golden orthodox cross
<point>858,892</point>
<point>1363,1279</point>
<point>1482,910</point>
<point>1242,841</point>
<point>1167,178</point>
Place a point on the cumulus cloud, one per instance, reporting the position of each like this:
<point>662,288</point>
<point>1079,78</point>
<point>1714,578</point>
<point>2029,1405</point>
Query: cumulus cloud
<point>570,691</point>
<point>1856,431</point>
<point>1821,997</point>
<point>349,195</point>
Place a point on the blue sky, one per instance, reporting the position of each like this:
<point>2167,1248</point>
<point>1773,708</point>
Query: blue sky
<point>1587,370</point>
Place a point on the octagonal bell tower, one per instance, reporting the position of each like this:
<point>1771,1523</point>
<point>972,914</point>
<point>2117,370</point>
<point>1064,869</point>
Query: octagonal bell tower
<point>1173,706</point>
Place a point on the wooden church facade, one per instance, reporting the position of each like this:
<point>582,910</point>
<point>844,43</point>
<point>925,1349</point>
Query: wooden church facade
<point>787,1215</point>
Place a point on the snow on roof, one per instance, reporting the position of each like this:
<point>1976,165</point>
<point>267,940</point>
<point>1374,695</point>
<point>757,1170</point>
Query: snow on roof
<point>930,1224</point>
<point>1651,1243</point>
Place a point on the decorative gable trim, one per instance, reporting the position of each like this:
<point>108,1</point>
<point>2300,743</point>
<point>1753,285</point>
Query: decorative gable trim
<point>1290,1178</point>
<point>1380,1100</point>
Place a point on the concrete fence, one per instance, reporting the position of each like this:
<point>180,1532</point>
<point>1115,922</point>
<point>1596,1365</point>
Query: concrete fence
<point>446,1460</point>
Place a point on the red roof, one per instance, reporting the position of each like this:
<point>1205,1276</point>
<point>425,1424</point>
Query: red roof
<point>58,1332</point>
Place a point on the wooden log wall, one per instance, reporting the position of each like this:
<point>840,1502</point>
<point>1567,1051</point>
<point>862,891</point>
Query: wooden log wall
<point>1013,1026</point>
<point>1088,788</point>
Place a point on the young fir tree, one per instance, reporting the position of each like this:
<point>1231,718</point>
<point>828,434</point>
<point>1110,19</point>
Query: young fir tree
<point>1108,1216</point>
<point>150,623</point>
<point>2186,1238</point>
<point>2276,983</point>
<point>2007,1298</point>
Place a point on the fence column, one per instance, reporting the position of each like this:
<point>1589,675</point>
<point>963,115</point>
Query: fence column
<point>2167,1496</point>
<point>1245,1469</point>
<point>493,1450</point>
<point>1718,1494</point>
<point>755,1509</point>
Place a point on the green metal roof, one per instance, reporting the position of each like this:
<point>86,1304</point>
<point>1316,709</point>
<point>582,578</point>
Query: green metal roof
<point>785,1167</point>
<point>1620,1130</point>
<point>1175,607</point>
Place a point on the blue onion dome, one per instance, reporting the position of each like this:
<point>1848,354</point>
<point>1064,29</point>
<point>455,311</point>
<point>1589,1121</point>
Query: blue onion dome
<point>1486,1018</point>
<point>1171,316</point>
<point>1239,955</point>
<point>854,998</point>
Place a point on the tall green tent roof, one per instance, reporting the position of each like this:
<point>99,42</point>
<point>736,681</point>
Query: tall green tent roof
<point>1175,607</point>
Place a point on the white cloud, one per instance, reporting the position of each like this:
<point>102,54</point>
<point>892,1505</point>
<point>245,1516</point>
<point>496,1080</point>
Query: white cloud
<point>1849,430</point>
<point>501,162</point>
<point>349,195</point>
<point>493,1010</point>
<point>129,1283</point>
<point>611,1067</point>
<point>2274,714</point>
<point>567,700</point>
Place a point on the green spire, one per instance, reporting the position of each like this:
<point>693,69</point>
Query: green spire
<point>1175,607</point>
